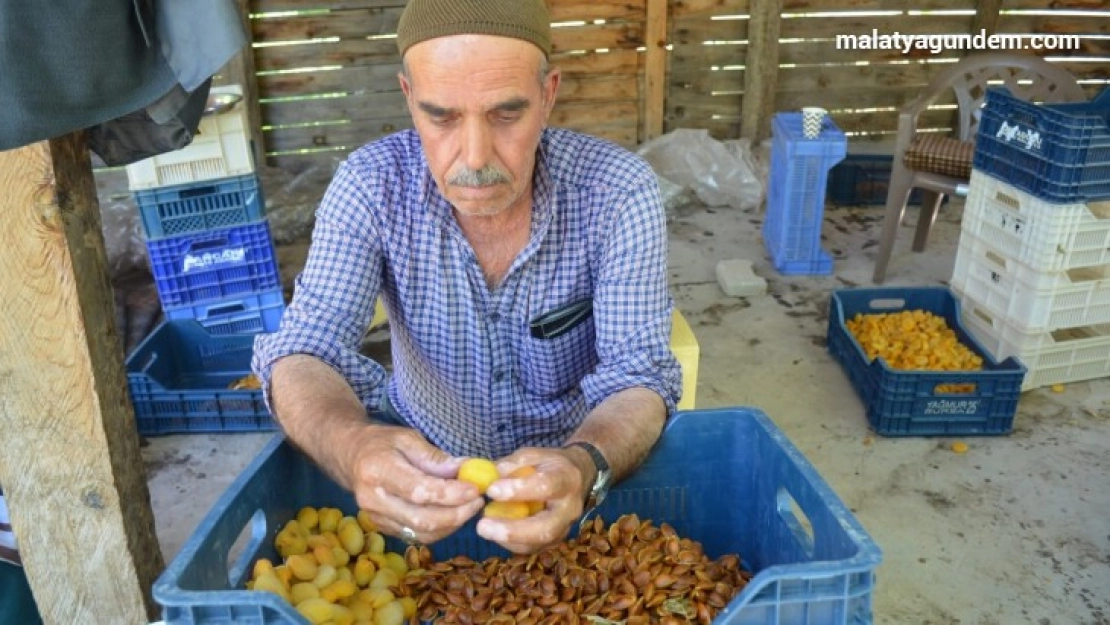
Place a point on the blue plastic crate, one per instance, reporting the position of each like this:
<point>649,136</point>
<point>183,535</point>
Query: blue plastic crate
<point>179,376</point>
<point>796,194</point>
<point>738,497</point>
<point>250,314</point>
<point>214,265</point>
<point>863,180</point>
<point>907,403</point>
<point>1057,152</point>
<point>200,206</point>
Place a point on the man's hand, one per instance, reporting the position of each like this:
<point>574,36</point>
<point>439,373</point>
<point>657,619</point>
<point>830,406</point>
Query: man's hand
<point>401,480</point>
<point>560,481</point>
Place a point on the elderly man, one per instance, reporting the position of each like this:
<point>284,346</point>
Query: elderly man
<point>524,272</point>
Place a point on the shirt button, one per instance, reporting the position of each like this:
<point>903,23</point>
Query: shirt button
<point>498,376</point>
<point>494,317</point>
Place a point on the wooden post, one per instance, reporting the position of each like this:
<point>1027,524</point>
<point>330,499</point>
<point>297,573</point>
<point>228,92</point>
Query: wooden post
<point>986,16</point>
<point>240,71</point>
<point>655,68</point>
<point>761,69</point>
<point>69,451</point>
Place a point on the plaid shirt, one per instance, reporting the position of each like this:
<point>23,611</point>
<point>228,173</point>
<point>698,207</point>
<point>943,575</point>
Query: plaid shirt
<point>467,372</point>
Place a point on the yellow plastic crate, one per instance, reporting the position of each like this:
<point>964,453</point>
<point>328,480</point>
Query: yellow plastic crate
<point>684,345</point>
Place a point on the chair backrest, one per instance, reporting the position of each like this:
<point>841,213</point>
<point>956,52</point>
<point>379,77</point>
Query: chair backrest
<point>1026,76</point>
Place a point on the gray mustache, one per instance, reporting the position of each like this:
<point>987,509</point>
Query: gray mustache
<point>484,177</point>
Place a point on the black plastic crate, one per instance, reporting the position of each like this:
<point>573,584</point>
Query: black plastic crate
<point>863,180</point>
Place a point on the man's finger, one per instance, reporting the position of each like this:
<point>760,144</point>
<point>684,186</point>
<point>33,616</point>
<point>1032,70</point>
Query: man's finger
<point>404,480</point>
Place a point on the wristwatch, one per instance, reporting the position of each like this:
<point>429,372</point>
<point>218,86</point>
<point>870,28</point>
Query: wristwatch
<point>602,481</point>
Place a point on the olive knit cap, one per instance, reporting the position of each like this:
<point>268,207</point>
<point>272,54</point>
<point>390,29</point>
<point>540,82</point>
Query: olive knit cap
<point>520,19</point>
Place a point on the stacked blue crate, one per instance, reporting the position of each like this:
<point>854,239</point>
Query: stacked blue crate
<point>796,194</point>
<point>215,267</point>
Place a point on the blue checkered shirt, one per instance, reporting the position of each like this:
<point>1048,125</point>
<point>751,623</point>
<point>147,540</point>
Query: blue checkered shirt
<point>467,372</point>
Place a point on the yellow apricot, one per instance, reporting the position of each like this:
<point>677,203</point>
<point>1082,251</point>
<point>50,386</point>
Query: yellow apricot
<point>385,578</point>
<point>338,590</point>
<point>269,582</point>
<point>408,607</point>
<point>396,562</point>
<point>479,472</point>
<point>325,575</point>
<point>363,518</point>
<point>375,543</point>
<point>317,611</point>
<point>303,566</point>
<point>393,613</point>
<point>364,571</point>
<point>342,615</point>
<point>308,518</point>
<point>262,565</point>
<point>376,597</point>
<point>506,510</point>
<point>329,519</point>
<point>301,591</point>
<point>361,610</point>
<point>352,538</point>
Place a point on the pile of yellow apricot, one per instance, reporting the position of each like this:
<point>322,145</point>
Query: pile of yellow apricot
<point>335,569</point>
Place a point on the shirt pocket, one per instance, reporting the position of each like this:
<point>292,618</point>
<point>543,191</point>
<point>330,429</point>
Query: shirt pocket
<point>552,367</point>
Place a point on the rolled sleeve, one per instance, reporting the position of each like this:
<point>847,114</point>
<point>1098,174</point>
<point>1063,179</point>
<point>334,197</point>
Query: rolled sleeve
<point>632,303</point>
<point>333,302</point>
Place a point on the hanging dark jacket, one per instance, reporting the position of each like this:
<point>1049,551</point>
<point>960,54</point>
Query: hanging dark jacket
<point>133,72</point>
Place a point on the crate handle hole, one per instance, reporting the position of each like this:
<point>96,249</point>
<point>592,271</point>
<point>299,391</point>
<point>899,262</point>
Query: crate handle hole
<point>887,303</point>
<point>198,191</point>
<point>242,553</point>
<point>795,519</point>
<point>996,259</point>
<point>984,316</point>
<point>226,309</point>
<point>208,245</point>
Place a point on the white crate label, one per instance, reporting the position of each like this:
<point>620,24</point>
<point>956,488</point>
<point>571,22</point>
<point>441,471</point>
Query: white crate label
<point>952,406</point>
<point>1009,222</point>
<point>1014,133</point>
<point>207,260</point>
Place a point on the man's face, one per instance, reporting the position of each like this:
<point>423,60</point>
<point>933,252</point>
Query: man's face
<point>479,106</point>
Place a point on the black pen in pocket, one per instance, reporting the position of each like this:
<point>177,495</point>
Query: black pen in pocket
<point>558,322</point>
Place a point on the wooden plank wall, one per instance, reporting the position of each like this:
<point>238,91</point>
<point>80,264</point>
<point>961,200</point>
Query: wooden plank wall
<point>327,77</point>
<point>327,68</point>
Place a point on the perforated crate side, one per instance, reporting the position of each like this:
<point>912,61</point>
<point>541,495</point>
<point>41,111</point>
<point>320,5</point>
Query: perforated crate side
<point>214,265</point>
<point>1031,299</point>
<point>1057,152</point>
<point>796,195</point>
<point>251,314</point>
<point>196,207</point>
<point>1052,357</point>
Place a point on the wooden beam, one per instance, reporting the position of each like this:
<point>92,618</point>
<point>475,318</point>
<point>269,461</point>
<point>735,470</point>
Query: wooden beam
<point>655,68</point>
<point>986,16</point>
<point>761,69</point>
<point>69,454</point>
<point>241,71</point>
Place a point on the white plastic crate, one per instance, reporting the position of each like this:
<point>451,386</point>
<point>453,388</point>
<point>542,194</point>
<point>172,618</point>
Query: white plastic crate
<point>1045,236</point>
<point>1035,301</point>
<point>220,149</point>
<point>1055,357</point>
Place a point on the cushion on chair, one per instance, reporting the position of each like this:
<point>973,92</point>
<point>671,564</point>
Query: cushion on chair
<point>940,155</point>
